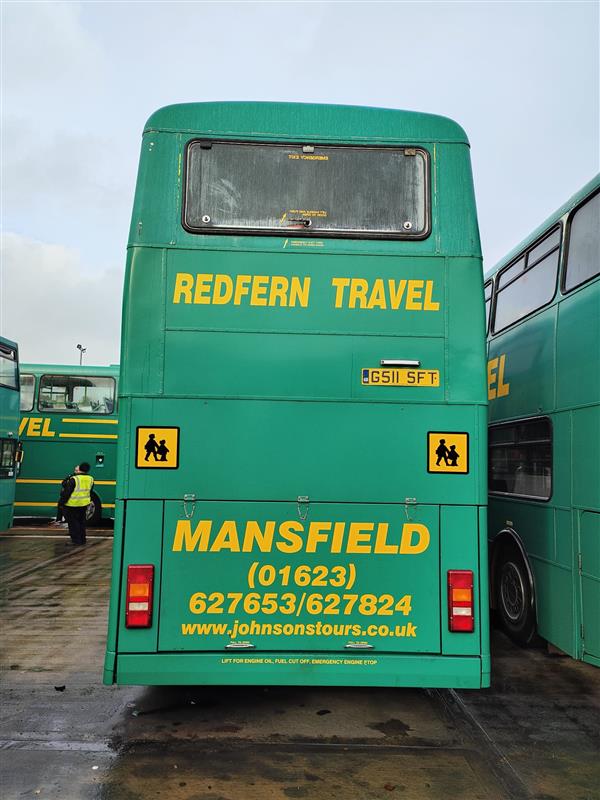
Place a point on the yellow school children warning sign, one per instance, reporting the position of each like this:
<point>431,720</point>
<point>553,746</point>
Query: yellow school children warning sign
<point>448,452</point>
<point>157,448</point>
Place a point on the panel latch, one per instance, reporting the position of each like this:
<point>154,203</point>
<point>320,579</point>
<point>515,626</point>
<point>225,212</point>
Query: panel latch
<point>409,501</point>
<point>303,502</point>
<point>188,512</point>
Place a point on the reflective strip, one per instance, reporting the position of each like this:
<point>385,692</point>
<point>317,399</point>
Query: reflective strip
<point>39,480</point>
<point>88,436</point>
<point>92,421</point>
<point>46,505</point>
<point>27,480</point>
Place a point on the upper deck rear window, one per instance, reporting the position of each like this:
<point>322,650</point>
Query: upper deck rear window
<point>366,192</point>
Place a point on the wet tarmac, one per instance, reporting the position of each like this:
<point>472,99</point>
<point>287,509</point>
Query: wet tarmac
<point>534,734</point>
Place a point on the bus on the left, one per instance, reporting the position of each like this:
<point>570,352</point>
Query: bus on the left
<point>9,428</point>
<point>69,415</point>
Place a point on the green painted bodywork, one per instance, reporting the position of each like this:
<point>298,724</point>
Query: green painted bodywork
<point>271,410</point>
<point>49,457</point>
<point>552,366</point>
<point>9,428</point>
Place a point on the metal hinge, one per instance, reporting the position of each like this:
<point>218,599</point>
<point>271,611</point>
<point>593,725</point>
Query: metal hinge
<point>581,632</point>
<point>579,563</point>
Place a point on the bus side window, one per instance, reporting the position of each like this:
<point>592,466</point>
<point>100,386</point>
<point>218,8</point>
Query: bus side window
<point>520,459</point>
<point>583,259</point>
<point>7,457</point>
<point>53,393</point>
<point>79,394</point>
<point>93,394</point>
<point>27,392</point>
<point>529,284</point>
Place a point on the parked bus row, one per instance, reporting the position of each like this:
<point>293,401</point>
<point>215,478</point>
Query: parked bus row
<point>303,410</point>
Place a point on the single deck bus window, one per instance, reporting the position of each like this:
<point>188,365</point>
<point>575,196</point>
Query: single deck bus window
<point>77,394</point>
<point>7,458</point>
<point>9,368</point>
<point>346,191</point>
<point>520,459</point>
<point>528,284</point>
<point>27,392</point>
<point>583,260</point>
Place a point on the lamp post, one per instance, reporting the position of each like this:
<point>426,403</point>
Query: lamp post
<point>82,350</point>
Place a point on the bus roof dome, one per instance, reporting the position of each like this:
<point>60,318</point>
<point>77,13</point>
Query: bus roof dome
<point>314,121</point>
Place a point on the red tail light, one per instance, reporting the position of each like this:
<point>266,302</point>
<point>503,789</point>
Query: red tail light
<point>138,602</point>
<point>461,617</point>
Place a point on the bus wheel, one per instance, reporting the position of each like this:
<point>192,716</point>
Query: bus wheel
<point>93,513</point>
<point>514,598</point>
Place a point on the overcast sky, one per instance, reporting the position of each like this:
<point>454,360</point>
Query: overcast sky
<point>79,79</point>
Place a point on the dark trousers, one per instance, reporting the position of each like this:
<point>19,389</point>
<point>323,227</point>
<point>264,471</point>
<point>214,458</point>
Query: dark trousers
<point>75,516</point>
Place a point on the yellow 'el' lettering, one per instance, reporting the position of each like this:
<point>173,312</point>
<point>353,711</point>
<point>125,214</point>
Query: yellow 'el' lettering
<point>496,385</point>
<point>46,428</point>
<point>35,426</point>
<point>492,367</point>
<point>503,388</point>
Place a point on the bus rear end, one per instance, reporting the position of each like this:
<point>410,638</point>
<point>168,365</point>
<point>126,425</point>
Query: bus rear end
<point>301,485</point>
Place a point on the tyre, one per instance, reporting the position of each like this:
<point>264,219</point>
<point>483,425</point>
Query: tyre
<point>93,513</point>
<point>514,598</point>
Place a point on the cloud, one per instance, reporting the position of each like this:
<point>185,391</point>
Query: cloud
<point>66,188</point>
<point>47,49</point>
<point>66,175</point>
<point>50,300</point>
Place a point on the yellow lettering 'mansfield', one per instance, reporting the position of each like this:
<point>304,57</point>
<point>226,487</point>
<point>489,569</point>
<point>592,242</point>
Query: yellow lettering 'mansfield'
<point>409,545</point>
<point>184,539</point>
<point>292,536</point>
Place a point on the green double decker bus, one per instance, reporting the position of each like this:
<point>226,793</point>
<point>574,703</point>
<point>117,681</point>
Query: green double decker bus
<point>543,304</point>
<point>68,415</point>
<point>9,428</point>
<point>303,416</point>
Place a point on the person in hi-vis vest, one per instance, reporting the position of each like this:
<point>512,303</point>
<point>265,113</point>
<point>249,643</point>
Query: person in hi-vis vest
<point>75,497</point>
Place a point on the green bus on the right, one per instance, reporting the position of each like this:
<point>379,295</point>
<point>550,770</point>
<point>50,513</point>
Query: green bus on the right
<point>543,317</point>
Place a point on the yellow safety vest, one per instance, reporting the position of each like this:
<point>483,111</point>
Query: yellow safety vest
<point>81,493</point>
